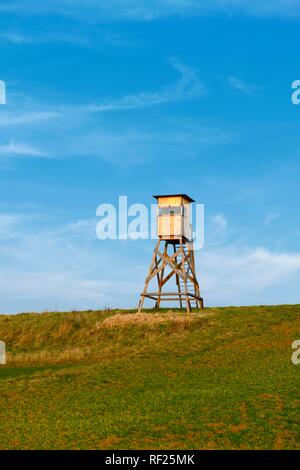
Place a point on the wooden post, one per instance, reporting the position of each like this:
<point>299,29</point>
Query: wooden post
<point>149,276</point>
<point>178,284</point>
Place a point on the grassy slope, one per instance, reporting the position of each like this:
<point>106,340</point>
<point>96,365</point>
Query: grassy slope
<point>110,380</point>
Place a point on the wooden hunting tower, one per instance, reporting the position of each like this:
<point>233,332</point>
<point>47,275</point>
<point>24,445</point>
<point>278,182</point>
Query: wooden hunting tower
<point>177,258</point>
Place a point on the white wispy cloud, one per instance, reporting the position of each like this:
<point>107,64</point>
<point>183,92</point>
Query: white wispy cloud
<point>137,146</point>
<point>13,37</point>
<point>237,275</point>
<point>35,122</point>
<point>94,137</point>
<point>68,37</point>
<point>19,149</point>
<point>271,217</point>
<point>188,86</point>
<point>56,267</point>
<point>241,85</point>
<point>8,223</point>
<point>13,118</point>
<point>220,220</point>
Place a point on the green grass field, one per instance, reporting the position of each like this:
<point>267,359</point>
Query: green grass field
<point>222,379</point>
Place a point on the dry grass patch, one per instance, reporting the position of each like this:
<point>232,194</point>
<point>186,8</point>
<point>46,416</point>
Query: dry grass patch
<point>66,356</point>
<point>147,319</point>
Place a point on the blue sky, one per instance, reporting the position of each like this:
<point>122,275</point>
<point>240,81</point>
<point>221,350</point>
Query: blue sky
<point>137,98</point>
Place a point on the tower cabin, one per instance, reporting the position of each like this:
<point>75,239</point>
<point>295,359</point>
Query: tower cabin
<point>174,217</point>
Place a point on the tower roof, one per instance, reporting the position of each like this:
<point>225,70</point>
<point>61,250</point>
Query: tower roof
<point>185,196</point>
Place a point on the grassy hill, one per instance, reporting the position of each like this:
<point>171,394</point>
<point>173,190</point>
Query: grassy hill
<point>222,379</point>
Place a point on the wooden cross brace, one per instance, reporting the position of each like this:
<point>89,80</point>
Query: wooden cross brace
<point>182,265</point>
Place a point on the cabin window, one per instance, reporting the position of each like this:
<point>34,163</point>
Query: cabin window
<point>175,210</point>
